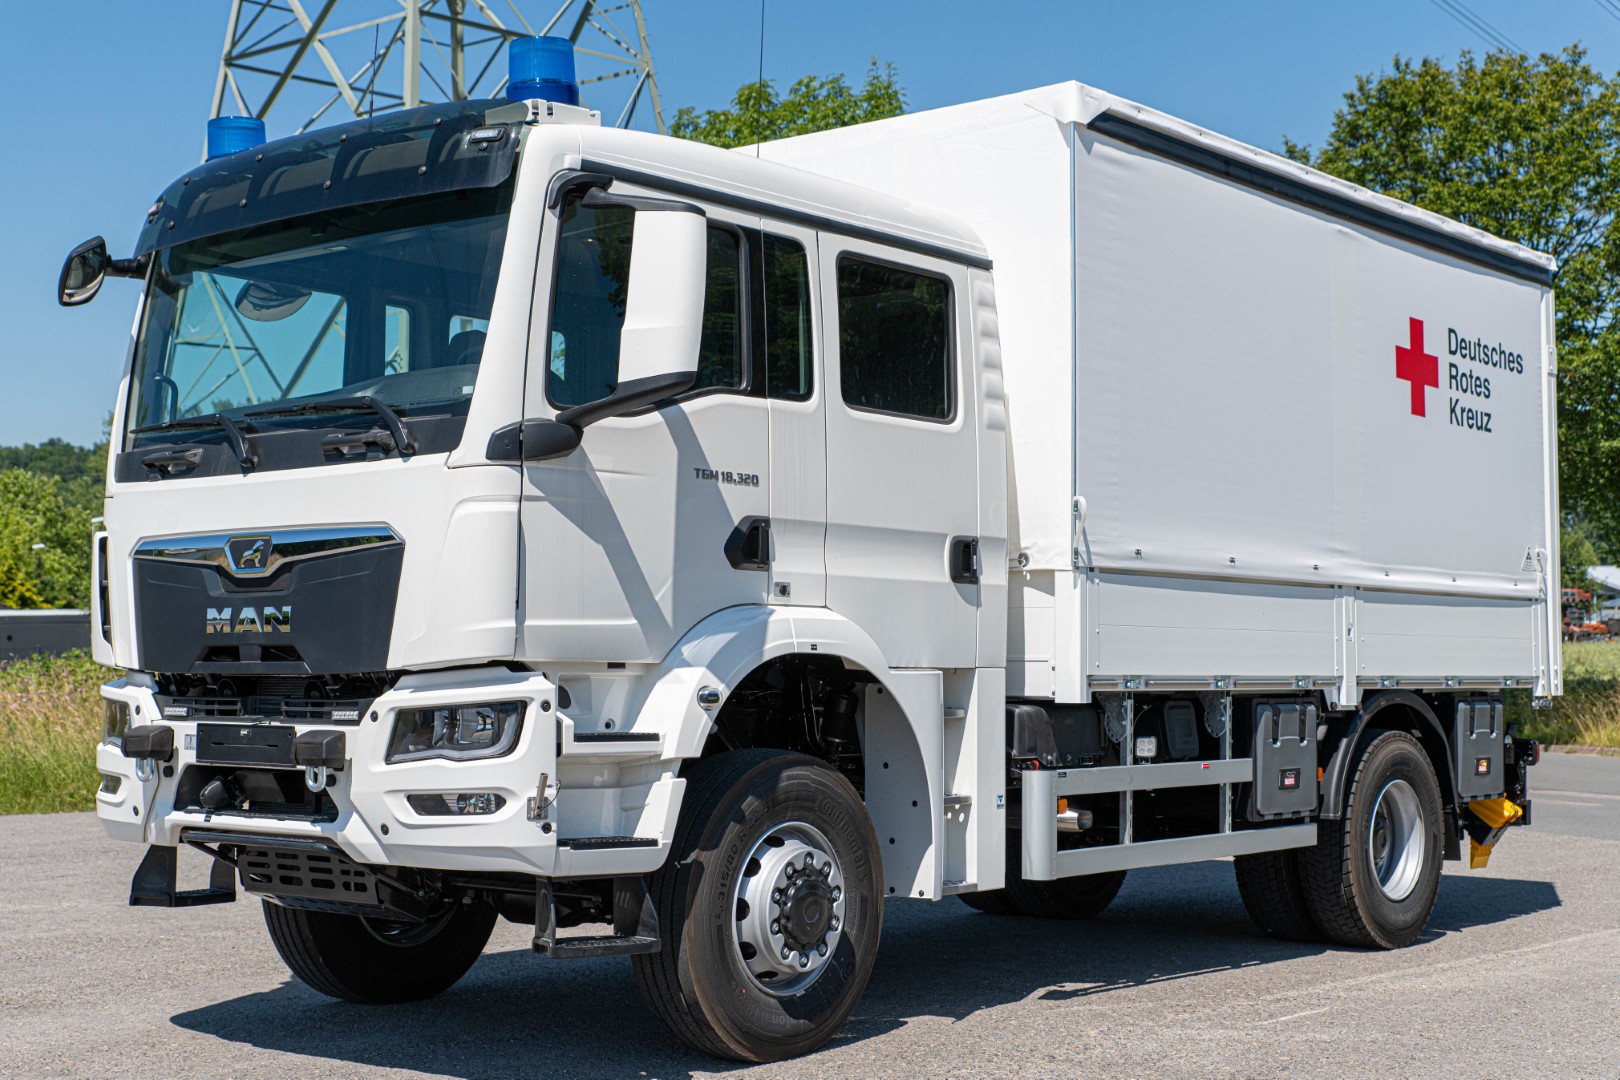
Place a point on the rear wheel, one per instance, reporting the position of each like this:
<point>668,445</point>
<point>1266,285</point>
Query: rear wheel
<point>1081,897</point>
<point>770,906</point>
<point>1274,897</point>
<point>1372,878</point>
<point>378,961</point>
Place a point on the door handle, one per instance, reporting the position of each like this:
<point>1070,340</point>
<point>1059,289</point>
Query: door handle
<point>749,545</point>
<point>965,560</point>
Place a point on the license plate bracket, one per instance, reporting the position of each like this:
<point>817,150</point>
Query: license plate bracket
<point>245,744</point>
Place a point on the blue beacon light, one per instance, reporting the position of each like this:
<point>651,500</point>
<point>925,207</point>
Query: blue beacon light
<point>543,68</point>
<point>228,135</point>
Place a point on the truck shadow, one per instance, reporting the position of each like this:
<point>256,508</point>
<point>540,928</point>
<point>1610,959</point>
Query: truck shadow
<point>516,1014</point>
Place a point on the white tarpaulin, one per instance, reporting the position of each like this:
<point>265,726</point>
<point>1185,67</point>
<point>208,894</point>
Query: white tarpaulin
<point>1238,384</point>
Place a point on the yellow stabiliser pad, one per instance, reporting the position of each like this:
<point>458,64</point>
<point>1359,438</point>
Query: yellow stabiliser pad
<point>1497,814</point>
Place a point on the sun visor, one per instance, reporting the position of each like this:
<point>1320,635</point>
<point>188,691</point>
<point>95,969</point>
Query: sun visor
<point>401,154</point>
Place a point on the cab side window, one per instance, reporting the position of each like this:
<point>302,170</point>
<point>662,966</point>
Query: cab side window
<point>587,315</point>
<point>788,316</point>
<point>894,340</point>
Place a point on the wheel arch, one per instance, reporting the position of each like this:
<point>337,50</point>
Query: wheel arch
<point>1387,710</point>
<point>727,647</point>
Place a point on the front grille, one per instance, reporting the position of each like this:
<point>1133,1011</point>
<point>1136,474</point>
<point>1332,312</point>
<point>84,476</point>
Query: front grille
<point>341,711</point>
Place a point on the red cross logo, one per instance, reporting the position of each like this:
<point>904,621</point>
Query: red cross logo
<point>1417,367</point>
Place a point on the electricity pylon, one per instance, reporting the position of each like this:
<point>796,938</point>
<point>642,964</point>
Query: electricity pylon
<point>319,51</point>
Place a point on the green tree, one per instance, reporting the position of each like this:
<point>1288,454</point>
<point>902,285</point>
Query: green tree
<point>1577,551</point>
<point>36,509</point>
<point>814,103</point>
<point>1528,149</point>
<point>58,458</point>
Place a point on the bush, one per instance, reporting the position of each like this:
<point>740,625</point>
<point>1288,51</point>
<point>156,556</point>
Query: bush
<point>50,725</point>
<point>1588,714</point>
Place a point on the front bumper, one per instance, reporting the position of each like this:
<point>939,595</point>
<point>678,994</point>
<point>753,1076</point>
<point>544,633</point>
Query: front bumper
<point>376,825</point>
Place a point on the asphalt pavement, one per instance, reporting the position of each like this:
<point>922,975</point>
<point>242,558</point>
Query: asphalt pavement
<point>1518,975</point>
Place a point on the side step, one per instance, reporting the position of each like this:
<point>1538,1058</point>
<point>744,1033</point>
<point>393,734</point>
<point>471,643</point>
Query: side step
<point>603,843</point>
<point>154,881</point>
<point>635,924</point>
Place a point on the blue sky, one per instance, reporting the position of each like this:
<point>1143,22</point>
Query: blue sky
<point>106,102</point>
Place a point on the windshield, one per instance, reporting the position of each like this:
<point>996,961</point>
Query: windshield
<point>388,301</point>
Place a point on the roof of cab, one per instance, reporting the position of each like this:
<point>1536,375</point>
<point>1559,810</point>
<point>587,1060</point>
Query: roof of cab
<point>774,189</point>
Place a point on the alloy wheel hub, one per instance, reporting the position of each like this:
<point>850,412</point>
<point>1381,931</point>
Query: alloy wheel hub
<point>789,909</point>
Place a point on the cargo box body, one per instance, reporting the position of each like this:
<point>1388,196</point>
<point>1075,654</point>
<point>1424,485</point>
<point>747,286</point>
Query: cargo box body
<point>1267,428</point>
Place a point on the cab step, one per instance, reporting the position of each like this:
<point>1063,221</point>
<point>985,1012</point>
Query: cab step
<point>635,924</point>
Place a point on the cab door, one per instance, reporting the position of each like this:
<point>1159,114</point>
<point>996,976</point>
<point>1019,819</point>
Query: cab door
<point>902,461</point>
<point>789,344</point>
<point>653,522</point>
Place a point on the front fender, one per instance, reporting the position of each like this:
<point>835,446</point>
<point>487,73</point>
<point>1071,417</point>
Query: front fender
<point>721,650</point>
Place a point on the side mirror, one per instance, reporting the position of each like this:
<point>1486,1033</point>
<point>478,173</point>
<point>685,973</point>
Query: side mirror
<point>663,319</point>
<point>83,273</point>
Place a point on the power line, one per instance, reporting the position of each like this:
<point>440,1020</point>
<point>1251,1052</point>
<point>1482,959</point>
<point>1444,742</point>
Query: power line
<point>1493,37</point>
<point>1609,8</point>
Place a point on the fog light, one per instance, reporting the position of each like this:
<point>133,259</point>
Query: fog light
<point>110,783</point>
<point>450,803</point>
<point>456,732</point>
<point>1147,746</point>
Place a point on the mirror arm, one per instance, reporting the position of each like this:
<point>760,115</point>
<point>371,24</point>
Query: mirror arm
<point>628,397</point>
<point>130,268</point>
<point>599,197</point>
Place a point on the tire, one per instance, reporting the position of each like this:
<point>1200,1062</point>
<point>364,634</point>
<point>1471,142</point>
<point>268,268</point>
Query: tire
<point>1356,897</point>
<point>990,901</point>
<point>1274,897</point>
<point>1083,897</point>
<point>746,820</point>
<point>377,962</point>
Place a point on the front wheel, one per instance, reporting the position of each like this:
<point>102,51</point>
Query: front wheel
<point>1372,878</point>
<point>378,961</point>
<point>769,908</point>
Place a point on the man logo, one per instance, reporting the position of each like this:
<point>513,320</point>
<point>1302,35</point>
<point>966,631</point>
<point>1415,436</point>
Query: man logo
<point>249,620</point>
<point>248,555</point>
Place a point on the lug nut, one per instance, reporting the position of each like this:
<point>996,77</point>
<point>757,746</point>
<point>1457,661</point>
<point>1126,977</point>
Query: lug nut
<point>832,924</point>
<point>809,859</point>
<point>785,952</point>
<point>826,871</point>
<point>804,961</point>
<point>822,948</point>
<point>791,871</point>
<point>837,892</point>
<point>776,927</point>
<point>776,896</point>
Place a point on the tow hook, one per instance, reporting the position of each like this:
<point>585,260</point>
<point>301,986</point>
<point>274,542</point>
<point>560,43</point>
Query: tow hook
<point>1487,820</point>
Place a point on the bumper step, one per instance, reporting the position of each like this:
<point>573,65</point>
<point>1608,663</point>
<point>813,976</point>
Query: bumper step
<point>154,882</point>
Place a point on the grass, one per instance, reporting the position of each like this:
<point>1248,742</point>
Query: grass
<point>50,723</point>
<point>1589,712</point>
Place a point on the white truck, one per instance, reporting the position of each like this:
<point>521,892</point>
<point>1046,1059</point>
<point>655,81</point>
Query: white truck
<point>514,517</point>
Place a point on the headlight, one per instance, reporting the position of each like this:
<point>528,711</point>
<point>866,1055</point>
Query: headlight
<point>115,719</point>
<point>456,732</point>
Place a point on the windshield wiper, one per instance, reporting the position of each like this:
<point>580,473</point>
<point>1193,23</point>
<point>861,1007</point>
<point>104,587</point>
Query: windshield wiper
<point>233,433</point>
<point>396,424</point>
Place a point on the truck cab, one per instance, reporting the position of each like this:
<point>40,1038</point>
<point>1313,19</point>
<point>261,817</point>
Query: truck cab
<point>473,460</point>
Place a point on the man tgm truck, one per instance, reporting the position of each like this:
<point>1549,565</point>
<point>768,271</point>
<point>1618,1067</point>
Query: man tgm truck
<point>514,517</point>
